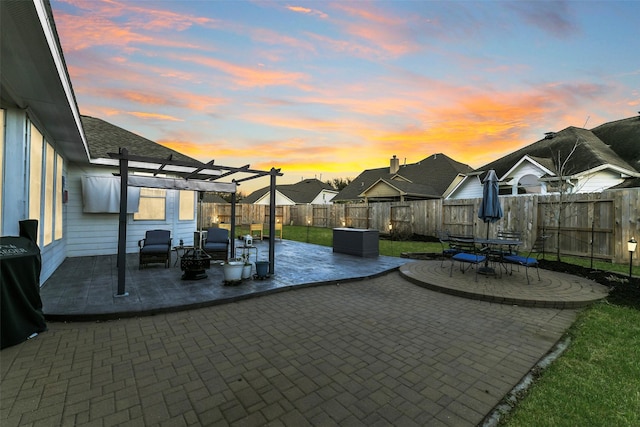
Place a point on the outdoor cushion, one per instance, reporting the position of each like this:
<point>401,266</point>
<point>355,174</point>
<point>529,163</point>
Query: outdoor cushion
<point>522,260</point>
<point>213,246</point>
<point>150,249</point>
<point>217,243</point>
<point>465,257</point>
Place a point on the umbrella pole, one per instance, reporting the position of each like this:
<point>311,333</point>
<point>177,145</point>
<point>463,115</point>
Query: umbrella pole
<point>486,269</point>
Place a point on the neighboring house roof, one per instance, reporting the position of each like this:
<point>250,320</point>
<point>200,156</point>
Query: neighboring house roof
<point>589,154</point>
<point>428,178</point>
<point>213,198</point>
<point>303,192</point>
<point>623,137</point>
<point>620,155</point>
<point>104,137</point>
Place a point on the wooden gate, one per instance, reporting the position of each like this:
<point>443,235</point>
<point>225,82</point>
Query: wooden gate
<point>401,220</point>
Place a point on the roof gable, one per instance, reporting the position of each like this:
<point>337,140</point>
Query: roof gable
<point>590,152</point>
<point>430,176</point>
<point>301,192</point>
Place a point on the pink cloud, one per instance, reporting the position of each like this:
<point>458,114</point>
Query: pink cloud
<point>307,11</point>
<point>247,76</point>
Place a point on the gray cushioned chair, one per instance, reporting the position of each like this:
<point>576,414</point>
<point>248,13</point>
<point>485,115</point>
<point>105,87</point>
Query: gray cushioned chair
<point>155,247</point>
<point>217,243</point>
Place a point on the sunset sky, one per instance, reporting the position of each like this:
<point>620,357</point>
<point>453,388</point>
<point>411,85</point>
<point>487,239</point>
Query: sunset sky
<point>327,89</point>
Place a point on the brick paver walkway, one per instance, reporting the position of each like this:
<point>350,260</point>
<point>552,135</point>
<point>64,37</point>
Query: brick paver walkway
<point>377,352</point>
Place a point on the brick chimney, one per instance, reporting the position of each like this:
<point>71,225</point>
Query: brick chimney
<point>395,165</point>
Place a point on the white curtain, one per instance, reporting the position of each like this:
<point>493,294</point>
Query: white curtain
<point>101,194</point>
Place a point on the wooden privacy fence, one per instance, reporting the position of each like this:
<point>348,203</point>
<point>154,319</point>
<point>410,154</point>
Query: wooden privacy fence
<point>595,224</point>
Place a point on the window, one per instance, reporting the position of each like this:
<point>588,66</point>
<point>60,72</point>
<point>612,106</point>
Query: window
<point>58,191</point>
<point>35,173</point>
<point>45,183</point>
<point>187,200</point>
<point>49,193</point>
<point>1,159</point>
<point>152,204</point>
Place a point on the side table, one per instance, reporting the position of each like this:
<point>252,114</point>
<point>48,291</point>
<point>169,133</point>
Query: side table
<point>246,251</point>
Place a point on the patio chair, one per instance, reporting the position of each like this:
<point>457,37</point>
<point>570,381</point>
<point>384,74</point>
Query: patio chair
<point>216,245</point>
<point>508,235</point>
<point>155,248</point>
<point>448,247</point>
<point>528,260</point>
<point>497,252</point>
<point>469,254</point>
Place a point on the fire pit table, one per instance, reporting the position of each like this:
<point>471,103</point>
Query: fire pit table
<point>193,263</point>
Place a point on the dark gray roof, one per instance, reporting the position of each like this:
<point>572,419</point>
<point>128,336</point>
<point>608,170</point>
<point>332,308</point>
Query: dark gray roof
<point>301,192</point>
<point>104,137</point>
<point>590,152</point>
<point>623,137</point>
<point>213,198</point>
<point>428,178</point>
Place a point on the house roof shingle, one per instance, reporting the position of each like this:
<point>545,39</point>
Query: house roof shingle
<point>623,137</point>
<point>104,137</point>
<point>301,192</point>
<point>590,152</point>
<point>428,178</point>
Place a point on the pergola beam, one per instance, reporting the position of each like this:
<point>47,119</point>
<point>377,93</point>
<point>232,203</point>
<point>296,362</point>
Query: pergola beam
<point>162,165</point>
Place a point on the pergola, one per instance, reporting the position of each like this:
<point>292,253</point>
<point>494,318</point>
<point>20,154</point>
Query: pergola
<point>194,176</point>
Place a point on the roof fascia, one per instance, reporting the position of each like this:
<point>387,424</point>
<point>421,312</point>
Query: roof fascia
<point>54,49</point>
<point>266,195</point>
<point>624,173</point>
<point>364,193</point>
<point>525,158</point>
<point>455,184</point>
<point>397,175</point>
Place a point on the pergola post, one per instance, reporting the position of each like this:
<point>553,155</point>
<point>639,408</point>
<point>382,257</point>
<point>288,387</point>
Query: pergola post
<point>122,223</point>
<point>233,224</point>
<point>272,220</point>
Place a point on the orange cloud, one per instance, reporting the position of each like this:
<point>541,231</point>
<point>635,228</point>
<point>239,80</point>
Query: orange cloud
<point>247,76</point>
<point>153,116</point>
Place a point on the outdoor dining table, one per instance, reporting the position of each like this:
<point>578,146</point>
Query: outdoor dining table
<point>496,243</point>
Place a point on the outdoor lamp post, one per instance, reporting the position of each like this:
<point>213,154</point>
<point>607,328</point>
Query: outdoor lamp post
<point>631,246</point>
<point>308,224</point>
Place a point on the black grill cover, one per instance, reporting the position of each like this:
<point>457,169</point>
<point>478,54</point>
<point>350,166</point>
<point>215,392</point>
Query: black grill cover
<point>21,306</point>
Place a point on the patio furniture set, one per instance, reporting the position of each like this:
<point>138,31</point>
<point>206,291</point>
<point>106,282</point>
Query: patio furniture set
<point>194,260</point>
<point>490,256</point>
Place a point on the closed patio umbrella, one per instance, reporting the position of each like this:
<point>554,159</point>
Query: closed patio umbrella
<point>490,209</point>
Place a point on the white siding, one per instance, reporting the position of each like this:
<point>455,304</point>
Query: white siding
<point>324,198</point>
<point>16,187</point>
<point>597,182</point>
<point>281,200</point>
<point>15,180</point>
<point>97,234</point>
<point>471,188</point>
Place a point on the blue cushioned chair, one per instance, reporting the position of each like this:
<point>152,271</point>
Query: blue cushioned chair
<point>528,260</point>
<point>217,243</point>
<point>155,248</point>
<point>448,249</point>
<point>468,254</point>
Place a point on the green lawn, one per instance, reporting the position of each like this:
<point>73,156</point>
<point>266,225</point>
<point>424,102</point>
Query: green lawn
<point>595,382</point>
